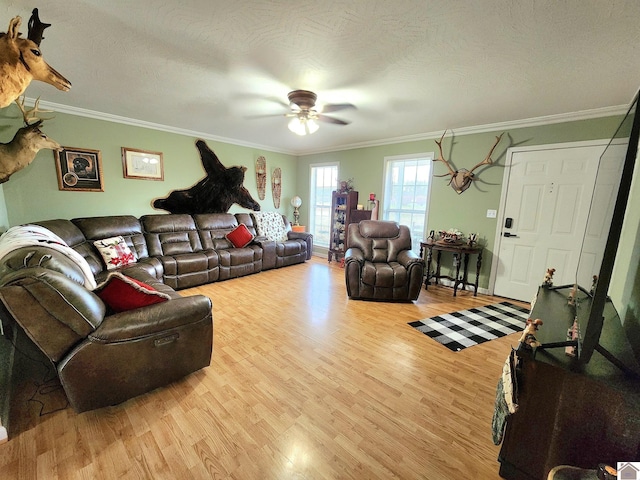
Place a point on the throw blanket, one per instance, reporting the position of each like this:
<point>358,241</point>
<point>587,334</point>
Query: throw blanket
<point>34,235</point>
<point>270,225</point>
<point>506,398</point>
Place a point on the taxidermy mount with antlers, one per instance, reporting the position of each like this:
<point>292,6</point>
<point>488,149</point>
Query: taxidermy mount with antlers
<point>461,179</point>
<point>21,61</point>
<point>26,143</point>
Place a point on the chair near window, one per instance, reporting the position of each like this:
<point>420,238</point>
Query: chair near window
<point>379,262</point>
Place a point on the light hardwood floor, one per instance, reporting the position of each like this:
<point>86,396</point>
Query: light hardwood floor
<point>303,384</point>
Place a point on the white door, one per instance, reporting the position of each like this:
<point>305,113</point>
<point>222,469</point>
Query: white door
<point>548,199</point>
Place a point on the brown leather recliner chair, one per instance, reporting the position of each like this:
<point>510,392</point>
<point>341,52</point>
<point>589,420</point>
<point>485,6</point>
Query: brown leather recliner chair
<point>379,262</point>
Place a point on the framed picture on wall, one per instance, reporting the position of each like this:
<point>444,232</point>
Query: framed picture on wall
<point>142,164</point>
<point>79,170</point>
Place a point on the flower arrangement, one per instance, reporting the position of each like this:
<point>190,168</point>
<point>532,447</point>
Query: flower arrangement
<point>345,186</point>
<point>453,236</point>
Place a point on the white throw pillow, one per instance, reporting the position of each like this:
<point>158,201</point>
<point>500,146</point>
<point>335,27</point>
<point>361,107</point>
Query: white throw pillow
<point>115,252</point>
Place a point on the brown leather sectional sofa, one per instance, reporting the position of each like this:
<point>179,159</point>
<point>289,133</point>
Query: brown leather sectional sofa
<point>182,250</point>
<point>103,357</point>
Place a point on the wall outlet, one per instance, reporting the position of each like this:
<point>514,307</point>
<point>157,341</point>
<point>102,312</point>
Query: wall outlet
<point>492,213</point>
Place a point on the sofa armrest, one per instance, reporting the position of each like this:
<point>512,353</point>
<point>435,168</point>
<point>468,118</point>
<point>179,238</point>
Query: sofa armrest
<point>353,265</point>
<point>53,310</point>
<point>307,237</point>
<point>298,235</point>
<point>407,258</point>
<point>268,251</point>
<point>354,255</point>
<point>153,319</point>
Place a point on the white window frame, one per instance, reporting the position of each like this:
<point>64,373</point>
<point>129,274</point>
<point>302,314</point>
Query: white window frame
<point>312,203</point>
<point>388,161</point>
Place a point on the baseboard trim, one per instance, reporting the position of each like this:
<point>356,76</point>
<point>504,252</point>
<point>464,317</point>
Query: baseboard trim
<point>469,288</point>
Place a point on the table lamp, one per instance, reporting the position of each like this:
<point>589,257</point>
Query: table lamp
<point>296,202</point>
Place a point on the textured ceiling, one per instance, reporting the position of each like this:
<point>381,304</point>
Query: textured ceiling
<point>217,67</point>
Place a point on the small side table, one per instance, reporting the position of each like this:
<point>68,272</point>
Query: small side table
<point>461,255</point>
<point>298,228</point>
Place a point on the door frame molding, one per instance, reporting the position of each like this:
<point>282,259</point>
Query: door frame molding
<point>505,187</point>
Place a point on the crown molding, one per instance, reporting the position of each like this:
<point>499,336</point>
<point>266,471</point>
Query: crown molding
<point>490,127</point>
<point>108,117</point>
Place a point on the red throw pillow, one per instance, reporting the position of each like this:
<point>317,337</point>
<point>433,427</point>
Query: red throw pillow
<point>122,293</point>
<point>240,236</point>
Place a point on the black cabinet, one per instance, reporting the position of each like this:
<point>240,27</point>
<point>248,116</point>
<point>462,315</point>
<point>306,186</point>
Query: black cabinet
<point>570,414</point>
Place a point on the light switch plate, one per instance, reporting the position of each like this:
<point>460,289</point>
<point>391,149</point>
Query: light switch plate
<point>492,213</point>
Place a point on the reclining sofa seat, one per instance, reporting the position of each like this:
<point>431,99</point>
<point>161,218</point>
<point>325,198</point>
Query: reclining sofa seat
<point>297,248</point>
<point>175,241</point>
<point>99,228</point>
<point>234,262</point>
<point>80,233</point>
<point>102,358</point>
<point>379,262</point>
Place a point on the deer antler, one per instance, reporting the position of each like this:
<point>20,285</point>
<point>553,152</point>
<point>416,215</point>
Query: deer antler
<point>31,114</point>
<point>441,158</point>
<point>488,160</point>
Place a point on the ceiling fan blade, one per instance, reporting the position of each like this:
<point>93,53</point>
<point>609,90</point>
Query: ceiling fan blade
<point>336,107</point>
<point>266,115</point>
<point>337,121</point>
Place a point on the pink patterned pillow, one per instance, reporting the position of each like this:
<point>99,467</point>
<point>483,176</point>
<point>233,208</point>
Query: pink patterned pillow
<point>115,252</point>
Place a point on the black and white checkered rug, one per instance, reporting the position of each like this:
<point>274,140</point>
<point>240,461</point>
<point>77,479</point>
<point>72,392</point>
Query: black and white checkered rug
<point>465,328</point>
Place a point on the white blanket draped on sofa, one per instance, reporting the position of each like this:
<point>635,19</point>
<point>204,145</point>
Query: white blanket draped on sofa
<point>270,225</point>
<point>34,235</point>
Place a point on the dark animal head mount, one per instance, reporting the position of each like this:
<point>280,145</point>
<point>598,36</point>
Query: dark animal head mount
<point>215,193</point>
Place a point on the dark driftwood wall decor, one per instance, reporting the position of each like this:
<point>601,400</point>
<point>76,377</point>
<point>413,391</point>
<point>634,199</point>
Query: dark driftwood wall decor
<point>215,193</point>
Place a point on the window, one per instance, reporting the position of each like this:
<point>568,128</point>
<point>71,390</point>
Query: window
<point>406,193</point>
<point>324,179</point>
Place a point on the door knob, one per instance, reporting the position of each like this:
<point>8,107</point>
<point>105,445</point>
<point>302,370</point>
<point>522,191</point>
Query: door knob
<point>512,235</point>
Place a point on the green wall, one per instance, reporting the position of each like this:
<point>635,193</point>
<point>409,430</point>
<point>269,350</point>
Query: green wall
<point>466,212</point>
<point>32,194</point>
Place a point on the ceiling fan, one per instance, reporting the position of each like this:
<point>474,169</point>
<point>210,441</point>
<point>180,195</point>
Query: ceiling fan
<point>305,117</point>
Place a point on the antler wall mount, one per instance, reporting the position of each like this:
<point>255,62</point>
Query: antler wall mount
<point>462,178</point>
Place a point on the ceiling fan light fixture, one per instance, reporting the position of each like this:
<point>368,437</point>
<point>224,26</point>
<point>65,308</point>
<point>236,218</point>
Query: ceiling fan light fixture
<point>312,126</point>
<point>301,125</point>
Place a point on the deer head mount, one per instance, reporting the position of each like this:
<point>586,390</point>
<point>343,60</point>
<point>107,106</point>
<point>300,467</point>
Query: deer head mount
<point>26,143</point>
<point>21,61</point>
<point>461,179</point>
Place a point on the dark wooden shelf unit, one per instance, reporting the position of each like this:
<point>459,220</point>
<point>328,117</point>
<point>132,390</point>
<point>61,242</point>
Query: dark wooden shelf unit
<point>342,204</point>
